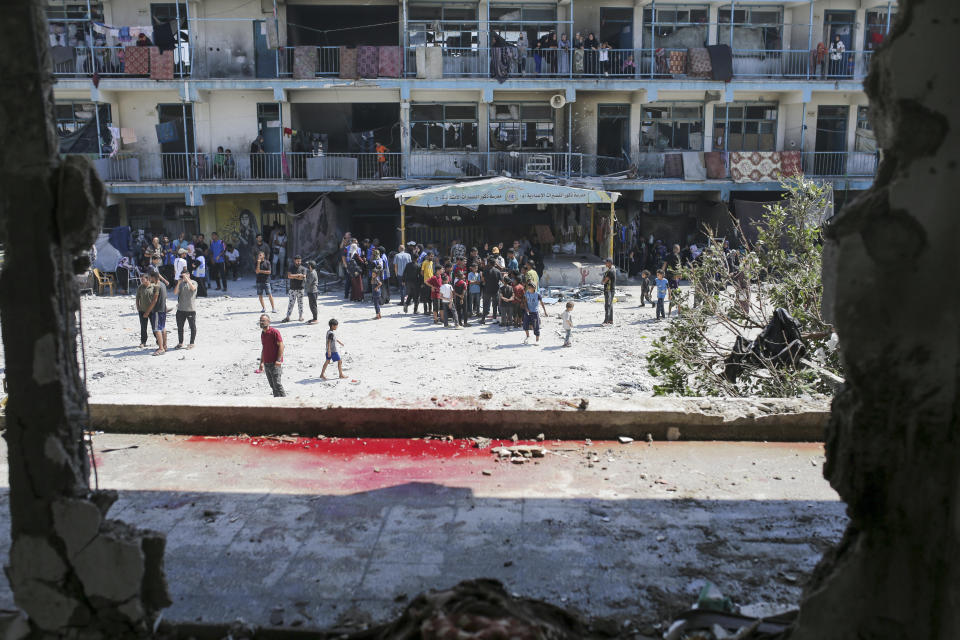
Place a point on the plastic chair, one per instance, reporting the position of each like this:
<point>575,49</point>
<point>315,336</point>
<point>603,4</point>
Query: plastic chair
<point>104,281</point>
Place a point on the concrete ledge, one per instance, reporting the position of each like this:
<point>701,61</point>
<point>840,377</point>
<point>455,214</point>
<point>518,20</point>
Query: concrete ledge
<point>774,420</point>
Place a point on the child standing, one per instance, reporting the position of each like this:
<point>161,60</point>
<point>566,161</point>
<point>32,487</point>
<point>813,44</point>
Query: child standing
<point>332,354</point>
<point>567,318</point>
<point>506,304</point>
<point>376,282</point>
<point>645,288</point>
<point>531,317</point>
<point>661,293</point>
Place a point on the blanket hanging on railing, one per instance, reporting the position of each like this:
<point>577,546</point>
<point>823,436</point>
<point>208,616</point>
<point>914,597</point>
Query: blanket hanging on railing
<point>693,168</point>
<point>161,64</point>
<point>721,61</point>
<point>677,64</point>
<point>304,63</point>
<point>348,63</point>
<point>390,62</point>
<point>698,63</point>
<point>716,165</point>
<point>136,61</point>
<point>368,62</point>
<point>791,164</point>
<point>755,166</point>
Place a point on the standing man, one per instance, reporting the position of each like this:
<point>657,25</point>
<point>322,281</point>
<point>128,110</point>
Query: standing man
<point>400,261</point>
<point>186,292</point>
<point>232,264</point>
<point>426,292</point>
<point>218,260</point>
<point>346,258</point>
<point>157,312</point>
<point>411,280</point>
<point>310,285</point>
<point>491,289</point>
<point>271,355</point>
<point>144,300</point>
<point>179,263</point>
<point>609,286</point>
<point>262,269</point>
<point>296,275</point>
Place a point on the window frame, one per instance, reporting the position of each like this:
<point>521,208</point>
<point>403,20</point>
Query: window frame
<point>445,122</point>
<point>646,122</point>
<point>720,119</point>
<point>524,126</point>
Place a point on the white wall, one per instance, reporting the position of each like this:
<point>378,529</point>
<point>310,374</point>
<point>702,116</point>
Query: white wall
<point>138,110</point>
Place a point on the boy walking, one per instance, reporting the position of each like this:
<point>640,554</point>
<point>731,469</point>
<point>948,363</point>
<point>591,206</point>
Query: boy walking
<point>376,283</point>
<point>661,293</point>
<point>567,318</point>
<point>271,355</point>
<point>645,288</point>
<point>262,269</point>
<point>531,319</point>
<point>332,354</point>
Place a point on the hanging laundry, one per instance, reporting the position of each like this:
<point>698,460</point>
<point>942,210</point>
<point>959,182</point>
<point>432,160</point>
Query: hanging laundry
<point>125,34</point>
<point>161,64</point>
<point>273,38</point>
<point>136,61</point>
<point>163,37</point>
<point>169,131</point>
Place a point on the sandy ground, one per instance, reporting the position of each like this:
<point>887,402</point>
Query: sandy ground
<point>402,355</point>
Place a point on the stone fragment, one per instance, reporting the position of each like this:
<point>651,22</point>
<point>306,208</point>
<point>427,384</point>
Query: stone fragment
<point>486,472</point>
<point>625,440</point>
<point>541,437</point>
<point>119,550</point>
<point>276,617</point>
<point>47,608</point>
<point>486,395</point>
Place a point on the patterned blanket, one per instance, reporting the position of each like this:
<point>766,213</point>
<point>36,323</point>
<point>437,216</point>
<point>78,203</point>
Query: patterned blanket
<point>791,163</point>
<point>136,61</point>
<point>389,62</point>
<point>368,62</point>
<point>348,63</point>
<point>698,63</point>
<point>672,165</point>
<point>161,64</point>
<point>755,166</point>
<point>677,63</point>
<point>304,63</point>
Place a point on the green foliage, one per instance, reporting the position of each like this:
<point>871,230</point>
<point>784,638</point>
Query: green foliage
<point>736,296</point>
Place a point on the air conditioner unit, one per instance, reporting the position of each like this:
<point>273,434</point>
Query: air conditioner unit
<point>558,101</point>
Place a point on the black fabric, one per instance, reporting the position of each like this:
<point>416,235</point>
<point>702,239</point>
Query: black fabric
<point>500,63</point>
<point>721,59</point>
<point>84,139</point>
<point>780,344</point>
<point>163,36</point>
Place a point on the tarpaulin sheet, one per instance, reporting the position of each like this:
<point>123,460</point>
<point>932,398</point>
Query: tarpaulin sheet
<point>721,61</point>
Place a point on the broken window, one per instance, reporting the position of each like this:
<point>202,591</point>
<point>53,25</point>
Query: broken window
<point>678,26</point>
<point>535,21</point>
<point>672,125</point>
<point>515,127</point>
<point>443,126</point>
<point>743,126</point>
<point>878,26</point>
<point>754,28</point>
<point>865,140</point>
<point>449,25</point>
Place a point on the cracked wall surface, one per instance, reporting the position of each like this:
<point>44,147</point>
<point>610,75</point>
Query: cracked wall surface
<point>70,568</point>
<point>890,276</point>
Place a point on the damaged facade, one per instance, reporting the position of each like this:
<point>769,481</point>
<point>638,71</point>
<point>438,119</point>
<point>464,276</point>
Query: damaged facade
<point>449,94</point>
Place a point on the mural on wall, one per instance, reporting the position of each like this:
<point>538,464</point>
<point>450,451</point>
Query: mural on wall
<point>314,233</point>
<point>240,230</point>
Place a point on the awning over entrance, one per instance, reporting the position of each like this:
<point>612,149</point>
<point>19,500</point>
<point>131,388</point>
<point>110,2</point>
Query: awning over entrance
<point>502,191</point>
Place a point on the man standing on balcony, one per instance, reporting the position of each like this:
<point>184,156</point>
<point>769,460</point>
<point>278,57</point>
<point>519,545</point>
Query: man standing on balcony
<point>257,158</point>
<point>381,150</point>
<point>218,266</point>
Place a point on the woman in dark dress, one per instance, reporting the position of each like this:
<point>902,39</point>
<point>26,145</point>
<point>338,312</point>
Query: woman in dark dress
<point>356,278</point>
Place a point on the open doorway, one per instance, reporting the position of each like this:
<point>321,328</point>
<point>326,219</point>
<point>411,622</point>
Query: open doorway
<point>831,142</point>
<point>613,130</point>
<point>176,139</point>
<point>616,27</point>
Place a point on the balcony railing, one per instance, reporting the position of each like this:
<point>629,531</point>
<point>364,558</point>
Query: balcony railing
<point>424,165</point>
<point>108,61</point>
<point>328,62</point>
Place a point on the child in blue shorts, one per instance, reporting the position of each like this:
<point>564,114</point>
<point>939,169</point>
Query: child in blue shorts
<point>332,354</point>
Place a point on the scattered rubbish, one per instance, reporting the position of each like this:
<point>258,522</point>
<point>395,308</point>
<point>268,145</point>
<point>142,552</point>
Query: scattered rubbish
<point>780,344</point>
<point>523,450</point>
<point>508,563</point>
<point>712,599</point>
<point>541,437</point>
<point>133,446</point>
<point>661,538</point>
<point>518,460</point>
<point>515,438</point>
<point>479,442</point>
<point>512,366</point>
<point>625,440</point>
<point>486,395</point>
<point>584,403</point>
<point>486,472</point>
<point>714,625</point>
<point>376,469</point>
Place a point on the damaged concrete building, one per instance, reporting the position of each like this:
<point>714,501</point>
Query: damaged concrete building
<point>459,90</point>
<point>892,442</point>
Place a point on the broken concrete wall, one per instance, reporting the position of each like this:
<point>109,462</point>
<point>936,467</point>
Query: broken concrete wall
<point>69,567</point>
<point>890,285</point>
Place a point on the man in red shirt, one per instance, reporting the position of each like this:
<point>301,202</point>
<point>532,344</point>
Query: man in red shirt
<point>271,355</point>
<point>434,284</point>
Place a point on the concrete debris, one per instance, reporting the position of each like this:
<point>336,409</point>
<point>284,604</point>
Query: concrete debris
<point>625,440</point>
<point>515,438</point>
<point>523,450</point>
<point>480,442</point>
<point>541,437</point>
<point>276,617</point>
<point>486,395</point>
<point>486,472</point>
<point>673,434</point>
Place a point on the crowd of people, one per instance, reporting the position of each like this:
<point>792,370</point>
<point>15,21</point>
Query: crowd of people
<point>584,55</point>
<point>453,286</point>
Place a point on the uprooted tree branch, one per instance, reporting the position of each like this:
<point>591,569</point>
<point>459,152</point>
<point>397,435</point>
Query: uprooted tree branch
<point>751,322</point>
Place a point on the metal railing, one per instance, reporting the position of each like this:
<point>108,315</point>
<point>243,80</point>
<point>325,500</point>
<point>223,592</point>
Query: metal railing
<point>108,61</point>
<point>328,61</point>
<point>425,165</point>
<point>800,64</point>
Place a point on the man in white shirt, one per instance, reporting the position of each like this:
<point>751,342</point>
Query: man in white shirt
<point>233,261</point>
<point>179,264</point>
<point>446,301</point>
